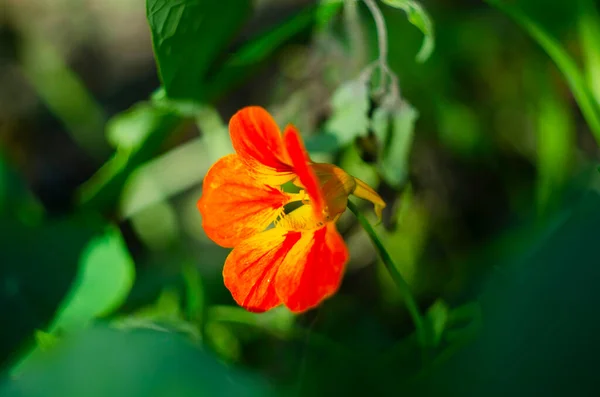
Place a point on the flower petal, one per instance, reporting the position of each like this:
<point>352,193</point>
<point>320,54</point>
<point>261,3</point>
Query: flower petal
<point>365,192</point>
<point>300,219</point>
<point>255,136</point>
<point>250,269</point>
<point>235,205</point>
<point>301,162</point>
<point>312,269</point>
<point>336,185</point>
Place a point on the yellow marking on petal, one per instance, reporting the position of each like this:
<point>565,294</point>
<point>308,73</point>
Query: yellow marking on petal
<point>300,219</point>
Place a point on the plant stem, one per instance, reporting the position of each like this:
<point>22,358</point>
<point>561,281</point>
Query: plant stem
<point>402,285</point>
<point>382,43</point>
<point>381,31</point>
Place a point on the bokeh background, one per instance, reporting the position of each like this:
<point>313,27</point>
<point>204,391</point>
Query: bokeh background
<point>108,285</point>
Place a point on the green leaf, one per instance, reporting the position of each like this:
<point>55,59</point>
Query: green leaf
<point>394,160</point>
<point>155,224</point>
<point>464,323</point>
<point>380,124</point>
<point>183,107</point>
<point>539,305</point>
<point>215,133</point>
<point>556,145</point>
<point>158,119</point>
<point>188,36</point>
<point>279,321</point>
<point>194,290</point>
<point>105,276</point>
<point>582,93</point>
<point>166,114</point>
<point>589,33</point>
<point>436,319</point>
<point>419,18</point>
<point>326,11</point>
<point>45,341</point>
<point>165,314</point>
<point>102,190</point>
<point>243,62</point>
<point>39,265</point>
<point>103,362</point>
<point>166,308</point>
<point>349,119</point>
<point>64,93</point>
<point>128,130</point>
<point>223,341</point>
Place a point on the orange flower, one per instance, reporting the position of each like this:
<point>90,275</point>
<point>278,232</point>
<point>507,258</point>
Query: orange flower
<point>277,210</point>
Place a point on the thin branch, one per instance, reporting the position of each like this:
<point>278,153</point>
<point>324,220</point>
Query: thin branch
<point>411,303</point>
<point>381,31</point>
<point>382,61</point>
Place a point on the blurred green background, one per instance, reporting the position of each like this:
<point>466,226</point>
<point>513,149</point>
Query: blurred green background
<point>112,111</point>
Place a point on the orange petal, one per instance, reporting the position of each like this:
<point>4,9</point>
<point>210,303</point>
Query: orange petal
<point>234,205</point>
<point>251,268</point>
<point>312,269</point>
<point>255,136</point>
<point>336,185</point>
<point>365,192</point>
<point>301,162</point>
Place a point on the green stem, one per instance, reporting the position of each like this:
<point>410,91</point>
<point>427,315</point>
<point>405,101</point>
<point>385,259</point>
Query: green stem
<point>411,303</point>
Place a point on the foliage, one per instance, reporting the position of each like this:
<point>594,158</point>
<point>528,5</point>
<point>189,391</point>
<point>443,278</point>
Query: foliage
<point>486,155</point>
<point>417,16</point>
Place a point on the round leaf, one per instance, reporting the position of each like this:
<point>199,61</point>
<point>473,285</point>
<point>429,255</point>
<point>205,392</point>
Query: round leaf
<point>105,276</point>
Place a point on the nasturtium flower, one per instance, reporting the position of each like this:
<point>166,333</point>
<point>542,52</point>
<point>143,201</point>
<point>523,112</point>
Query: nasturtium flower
<point>277,209</point>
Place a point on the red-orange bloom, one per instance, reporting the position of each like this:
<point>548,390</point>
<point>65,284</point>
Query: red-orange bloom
<point>277,210</point>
